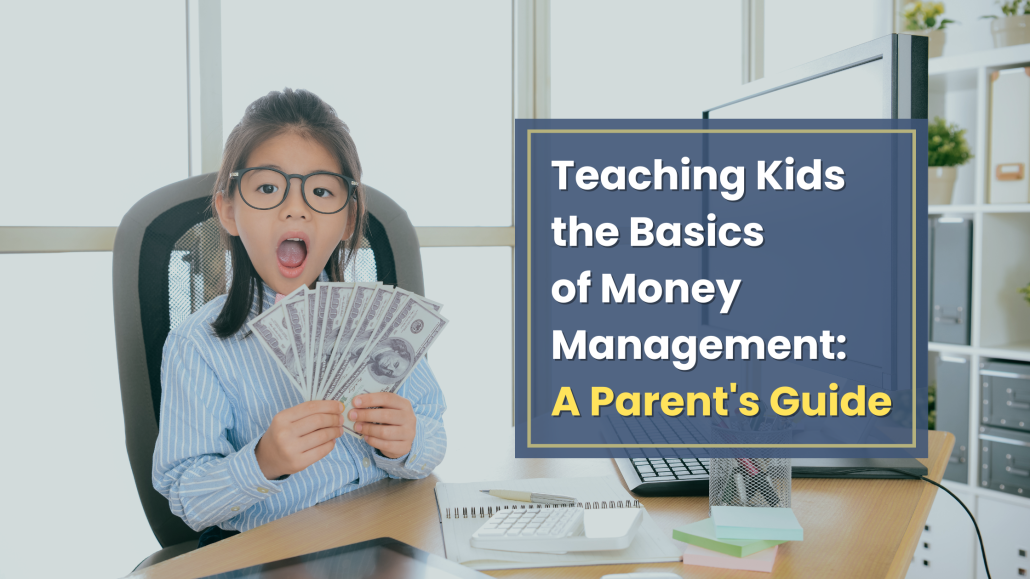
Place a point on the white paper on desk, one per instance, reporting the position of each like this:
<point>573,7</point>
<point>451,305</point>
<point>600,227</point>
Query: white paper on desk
<point>649,546</point>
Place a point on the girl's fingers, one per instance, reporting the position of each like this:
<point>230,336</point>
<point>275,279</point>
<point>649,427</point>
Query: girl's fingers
<point>391,449</point>
<point>380,415</point>
<point>383,431</point>
<point>319,437</point>
<point>319,452</point>
<point>381,399</point>
<point>306,409</point>
<point>314,422</point>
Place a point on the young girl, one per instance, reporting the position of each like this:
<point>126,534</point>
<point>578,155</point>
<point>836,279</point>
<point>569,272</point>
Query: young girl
<point>237,446</point>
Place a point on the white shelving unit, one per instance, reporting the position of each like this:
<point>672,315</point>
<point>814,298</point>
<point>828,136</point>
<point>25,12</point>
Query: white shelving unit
<point>1000,329</point>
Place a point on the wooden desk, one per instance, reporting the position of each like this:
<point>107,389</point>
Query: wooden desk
<point>853,528</point>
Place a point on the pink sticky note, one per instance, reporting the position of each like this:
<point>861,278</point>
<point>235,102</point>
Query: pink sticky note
<point>760,561</point>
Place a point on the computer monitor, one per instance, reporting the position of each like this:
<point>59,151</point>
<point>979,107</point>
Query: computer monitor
<point>884,78</point>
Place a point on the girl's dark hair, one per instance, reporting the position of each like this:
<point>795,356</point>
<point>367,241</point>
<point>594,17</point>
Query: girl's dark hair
<point>273,114</point>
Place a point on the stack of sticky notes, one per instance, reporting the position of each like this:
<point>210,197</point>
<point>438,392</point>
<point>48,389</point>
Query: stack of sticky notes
<point>738,537</point>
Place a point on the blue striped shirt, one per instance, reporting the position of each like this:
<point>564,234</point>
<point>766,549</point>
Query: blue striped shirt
<point>218,398</point>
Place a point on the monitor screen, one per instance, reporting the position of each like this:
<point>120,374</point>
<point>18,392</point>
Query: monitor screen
<point>885,78</point>
<point>852,93</point>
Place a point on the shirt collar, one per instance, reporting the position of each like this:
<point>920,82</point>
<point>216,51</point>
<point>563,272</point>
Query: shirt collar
<point>265,300</point>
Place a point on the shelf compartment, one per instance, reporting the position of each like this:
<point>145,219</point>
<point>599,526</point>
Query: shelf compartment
<point>1005,267</point>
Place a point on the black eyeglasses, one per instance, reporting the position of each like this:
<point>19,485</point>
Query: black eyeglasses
<point>266,188</point>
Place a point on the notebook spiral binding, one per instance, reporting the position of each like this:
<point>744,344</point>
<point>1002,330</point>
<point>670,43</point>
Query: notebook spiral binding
<point>487,512</point>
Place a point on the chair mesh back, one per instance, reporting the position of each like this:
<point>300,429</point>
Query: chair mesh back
<point>183,265</point>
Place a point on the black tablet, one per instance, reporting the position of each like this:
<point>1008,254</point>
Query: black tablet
<point>382,558</point>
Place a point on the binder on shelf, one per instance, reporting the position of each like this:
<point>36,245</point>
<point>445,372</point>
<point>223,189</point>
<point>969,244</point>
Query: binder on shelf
<point>952,405</point>
<point>1010,136</point>
<point>952,259</point>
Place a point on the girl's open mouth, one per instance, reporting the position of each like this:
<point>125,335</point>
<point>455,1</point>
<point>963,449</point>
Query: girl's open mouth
<point>292,254</point>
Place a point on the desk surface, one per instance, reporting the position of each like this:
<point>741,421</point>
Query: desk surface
<point>853,528</point>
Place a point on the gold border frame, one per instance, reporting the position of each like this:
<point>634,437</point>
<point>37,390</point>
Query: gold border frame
<point>529,287</point>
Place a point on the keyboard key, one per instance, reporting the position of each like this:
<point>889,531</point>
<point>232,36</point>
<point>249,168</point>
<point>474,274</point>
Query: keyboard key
<point>658,478</point>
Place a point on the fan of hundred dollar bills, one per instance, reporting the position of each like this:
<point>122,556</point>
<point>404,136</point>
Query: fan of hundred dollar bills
<point>344,339</point>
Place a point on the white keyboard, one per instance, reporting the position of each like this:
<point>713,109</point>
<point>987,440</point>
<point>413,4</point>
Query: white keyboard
<point>558,530</point>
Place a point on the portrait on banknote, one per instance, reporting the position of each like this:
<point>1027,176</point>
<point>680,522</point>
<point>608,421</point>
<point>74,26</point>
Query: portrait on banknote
<point>391,358</point>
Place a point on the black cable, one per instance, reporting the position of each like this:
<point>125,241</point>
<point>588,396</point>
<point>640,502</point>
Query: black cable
<point>847,471</point>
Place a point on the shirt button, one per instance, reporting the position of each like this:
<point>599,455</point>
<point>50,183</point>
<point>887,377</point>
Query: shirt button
<point>364,462</point>
<point>413,455</point>
<point>234,509</point>
<point>262,490</point>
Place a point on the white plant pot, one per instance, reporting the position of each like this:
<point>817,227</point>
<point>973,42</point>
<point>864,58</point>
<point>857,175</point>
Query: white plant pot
<point>1011,30</point>
<point>941,184</point>
<point>936,43</point>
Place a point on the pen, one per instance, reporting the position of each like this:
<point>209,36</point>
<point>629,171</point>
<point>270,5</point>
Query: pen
<point>529,497</point>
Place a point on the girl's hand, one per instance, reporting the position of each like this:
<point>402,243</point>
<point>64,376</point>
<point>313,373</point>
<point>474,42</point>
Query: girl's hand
<point>299,437</point>
<point>386,421</point>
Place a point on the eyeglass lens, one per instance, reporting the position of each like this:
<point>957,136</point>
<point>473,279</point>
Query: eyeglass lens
<point>263,189</point>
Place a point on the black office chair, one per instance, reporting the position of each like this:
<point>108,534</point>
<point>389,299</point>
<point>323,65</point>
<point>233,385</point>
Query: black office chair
<point>168,261</point>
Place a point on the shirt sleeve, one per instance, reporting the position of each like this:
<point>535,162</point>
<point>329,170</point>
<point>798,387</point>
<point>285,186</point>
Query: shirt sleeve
<point>205,479</point>
<point>430,443</point>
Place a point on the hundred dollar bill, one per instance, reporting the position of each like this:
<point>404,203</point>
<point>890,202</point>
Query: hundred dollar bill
<point>357,349</point>
<point>392,357</point>
<point>339,297</point>
<point>296,317</point>
<point>273,334</point>
<point>312,302</point>
<point>332,297</point>
<point>437,306</point>
<point>370,320</point>
<point>359,304</point>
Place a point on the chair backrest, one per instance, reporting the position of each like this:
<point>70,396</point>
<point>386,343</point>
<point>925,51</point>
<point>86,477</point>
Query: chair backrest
<point>169,261</point>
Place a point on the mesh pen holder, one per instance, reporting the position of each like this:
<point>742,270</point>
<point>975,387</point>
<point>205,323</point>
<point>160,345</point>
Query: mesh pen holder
<point>756,481</point>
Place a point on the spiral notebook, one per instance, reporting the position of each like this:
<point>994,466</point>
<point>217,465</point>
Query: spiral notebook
<point>463,509</point>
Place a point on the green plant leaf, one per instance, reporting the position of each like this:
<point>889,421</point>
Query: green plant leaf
<point>946,144</point>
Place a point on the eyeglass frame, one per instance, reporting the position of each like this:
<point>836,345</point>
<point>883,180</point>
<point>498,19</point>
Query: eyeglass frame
<point>352,187</point>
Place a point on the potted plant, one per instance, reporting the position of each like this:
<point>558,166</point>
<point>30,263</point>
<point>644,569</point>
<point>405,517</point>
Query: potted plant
<point>947,150</point>
<point>924,19</point>
<point>1025,290</point>
<point>1014,28</point>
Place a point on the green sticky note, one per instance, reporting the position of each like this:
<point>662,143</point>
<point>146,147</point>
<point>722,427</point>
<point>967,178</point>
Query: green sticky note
<point>702,534</point>
<point>756,523</point>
